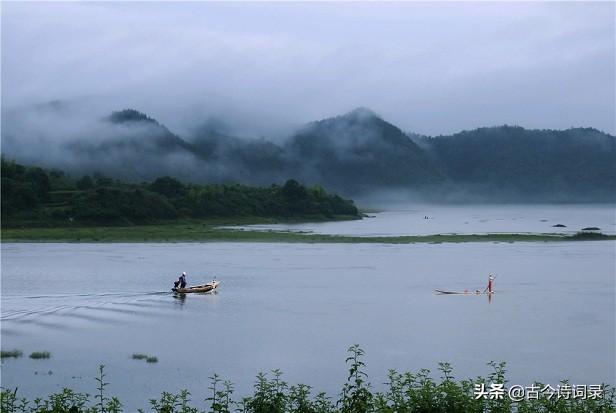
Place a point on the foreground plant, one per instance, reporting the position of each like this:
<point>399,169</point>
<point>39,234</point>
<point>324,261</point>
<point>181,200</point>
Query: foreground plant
<point>405,393</point>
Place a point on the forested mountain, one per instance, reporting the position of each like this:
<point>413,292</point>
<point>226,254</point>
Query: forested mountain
<point>511,161</point>
<point>131,132</point>
<point>360,152</point>
<point>356,154</point>
<point>256,161</point>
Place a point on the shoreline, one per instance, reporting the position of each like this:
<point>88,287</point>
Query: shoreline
<point>215,231</point>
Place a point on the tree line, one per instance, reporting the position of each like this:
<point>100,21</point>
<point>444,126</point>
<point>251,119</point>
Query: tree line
<point>33,195</point>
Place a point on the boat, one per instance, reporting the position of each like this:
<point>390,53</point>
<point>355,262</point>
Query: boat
<point>205,288</point>
<point>463,292</point>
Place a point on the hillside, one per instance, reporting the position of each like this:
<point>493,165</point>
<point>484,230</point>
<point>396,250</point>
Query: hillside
<point>514,162</point>
<point>355,154</point>
<point>360,152</point>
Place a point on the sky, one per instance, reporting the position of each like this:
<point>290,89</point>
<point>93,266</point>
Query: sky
<point>428,67</point>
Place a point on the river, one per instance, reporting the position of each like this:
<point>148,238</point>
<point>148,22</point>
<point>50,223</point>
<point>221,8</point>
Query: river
<point>298,307</point>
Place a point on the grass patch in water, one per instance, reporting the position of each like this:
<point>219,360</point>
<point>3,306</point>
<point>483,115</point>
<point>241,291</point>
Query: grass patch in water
<point>10,354</point>
<point>147,358</point>
<point>589,236</point>
<point>40,355</point>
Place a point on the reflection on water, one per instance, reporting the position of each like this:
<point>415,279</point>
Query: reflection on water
<point>298,307</point>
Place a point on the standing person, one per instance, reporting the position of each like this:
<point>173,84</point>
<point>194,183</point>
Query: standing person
<point>489,287</point>
<point>182,280</point>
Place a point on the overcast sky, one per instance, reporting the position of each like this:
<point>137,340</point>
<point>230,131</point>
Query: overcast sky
<point>433,68</point>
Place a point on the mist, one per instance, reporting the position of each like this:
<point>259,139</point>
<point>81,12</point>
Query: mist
<point>259,93</point>
<point>267,68</point>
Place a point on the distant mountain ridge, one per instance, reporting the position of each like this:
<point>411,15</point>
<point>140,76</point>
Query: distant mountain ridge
<point>361,153</point>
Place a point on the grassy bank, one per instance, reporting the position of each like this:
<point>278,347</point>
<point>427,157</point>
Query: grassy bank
<point>404,393</point>
<point>210,231</point>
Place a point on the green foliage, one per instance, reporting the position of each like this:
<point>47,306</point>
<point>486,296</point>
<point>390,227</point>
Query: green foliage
<point>104,404</point>
<point>405,393</point>
<point>148,359</point>
<point>588,235</point>
<point>10,353</point>
<point>220,400</point>
<point>355,396</point>
<point>40,355</point>
<point>169,187</point>
<point>172,403</point>
<point>32,196</point>
<point>22,188</point>
<point>66,401</point>
<point>85,182</point>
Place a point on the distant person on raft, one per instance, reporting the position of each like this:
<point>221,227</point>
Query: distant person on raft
<point>489,287</point>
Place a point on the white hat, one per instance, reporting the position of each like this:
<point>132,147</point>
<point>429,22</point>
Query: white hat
<point>183,273</point>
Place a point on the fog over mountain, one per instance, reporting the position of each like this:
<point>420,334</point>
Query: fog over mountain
<point>357,154</point>
<point>262,92</point>
<point>267,68</point>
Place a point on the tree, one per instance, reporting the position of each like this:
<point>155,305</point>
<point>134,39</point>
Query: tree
<point>168,186</point>
<point>85,182</point>
<point>293,190</point>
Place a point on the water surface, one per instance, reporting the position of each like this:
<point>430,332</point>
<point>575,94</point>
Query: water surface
<point>466,219</point>
<point>298,307</point>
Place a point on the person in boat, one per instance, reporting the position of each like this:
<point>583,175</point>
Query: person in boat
<point>181,282</point>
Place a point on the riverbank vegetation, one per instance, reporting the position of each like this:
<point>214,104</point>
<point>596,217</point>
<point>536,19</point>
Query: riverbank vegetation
<point>215,231</point>
<point>35,197</point>
<point>48,205</point>
<point>404,393</point>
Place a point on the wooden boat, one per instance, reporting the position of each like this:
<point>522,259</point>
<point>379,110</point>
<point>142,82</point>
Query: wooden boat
<point>463,292</point>
<point>205,288</point>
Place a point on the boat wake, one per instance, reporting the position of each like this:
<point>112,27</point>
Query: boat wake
<point>48,310</point>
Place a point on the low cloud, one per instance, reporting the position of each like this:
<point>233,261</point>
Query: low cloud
<point>431,68</point>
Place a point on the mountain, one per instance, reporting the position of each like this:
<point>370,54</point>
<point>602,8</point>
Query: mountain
<point>355,154</point>
<point>358,152</point>
<point>576,163</point>
<point>150,135</point>
<point>257,161</point>
<point>131,145</point>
